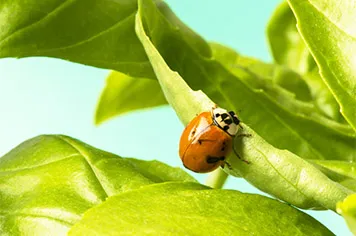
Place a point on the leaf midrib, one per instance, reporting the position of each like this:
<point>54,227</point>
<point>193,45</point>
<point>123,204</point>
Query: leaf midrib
<point>75,147</point>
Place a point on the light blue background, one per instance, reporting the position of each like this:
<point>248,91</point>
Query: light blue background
<point>50,96</point>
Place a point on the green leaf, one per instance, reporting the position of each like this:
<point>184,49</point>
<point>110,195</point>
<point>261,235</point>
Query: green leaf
<point>286,45</point>
<point>323,98</point>
<point>48,182</point>
<point>266,73</point>
<point>185,209</point>
<point>309,133</point>
<point>277,172</point>
<point>309,87</point>
<point>288,48</point>
<point>347,209</point>
<point>123,94</point>
<point>342,172</point>
<point>114,45</point>
<point>328,28</point>
<point>92,33</point>
<point>345,168</point>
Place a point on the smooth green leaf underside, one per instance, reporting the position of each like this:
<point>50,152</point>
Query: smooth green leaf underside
<point>50,181</point>
<point>328,28</point>
<point>347,209</point>
<point>108,40</point>
<point>123,93</point>
<point>186,208</point>
<point>286,45</point>
<point>294,180</point>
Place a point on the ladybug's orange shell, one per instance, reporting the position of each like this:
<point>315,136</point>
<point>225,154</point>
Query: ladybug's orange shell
<point>202,139</point>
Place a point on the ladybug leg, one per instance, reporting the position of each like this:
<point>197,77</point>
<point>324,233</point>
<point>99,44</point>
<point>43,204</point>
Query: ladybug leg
<point>238,136</point>
<point>233,148</point>
<point>227,164</point>
<point>243,135</point>
<point>246,161</point>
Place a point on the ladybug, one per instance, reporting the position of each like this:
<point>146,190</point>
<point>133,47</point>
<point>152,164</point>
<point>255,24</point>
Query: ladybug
<point>208,139</point>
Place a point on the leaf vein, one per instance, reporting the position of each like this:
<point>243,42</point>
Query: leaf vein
<point>49,14</point>
<point>86,158</point>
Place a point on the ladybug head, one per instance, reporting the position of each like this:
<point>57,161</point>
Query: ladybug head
<point>226,120</point>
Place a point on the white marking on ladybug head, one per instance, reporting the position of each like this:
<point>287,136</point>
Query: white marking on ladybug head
<point>226,120</point>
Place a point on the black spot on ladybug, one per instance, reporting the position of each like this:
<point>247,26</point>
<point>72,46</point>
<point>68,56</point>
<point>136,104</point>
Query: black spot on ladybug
<point>224,116</point>
<point>217,115</point>
<point>236,120</point>
<point>199,141</point>
<point>223,147</point>
<point>228,121</point>
<point>232,113</point>
<point>226,127</point>
<point>212,160</point>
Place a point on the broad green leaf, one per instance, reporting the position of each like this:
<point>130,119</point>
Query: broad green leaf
<point>288,48</point>
<point>286,45</point>
<point>48,182</point>
<point>328,28</point>
<point>93,32</point>
<point>190,209</point>
<point>347,209</point>
<point>277,172</point>
<point>269,73</point>
<point>275,80</point>
<point>309,135</point>
<point>185,53</point>
<point>123,93</point>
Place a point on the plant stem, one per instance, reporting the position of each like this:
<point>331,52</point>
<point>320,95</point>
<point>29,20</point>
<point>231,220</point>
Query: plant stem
<point>216,179</point>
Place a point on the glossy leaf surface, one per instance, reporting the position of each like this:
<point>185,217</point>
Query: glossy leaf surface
<point>48,182</point>
<point>186,208</point>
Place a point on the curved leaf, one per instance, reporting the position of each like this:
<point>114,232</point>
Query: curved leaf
<point>347,209</point>
<point>86,29</point>
<point>277,172</point>
<point>285,43</point>
<point>123,93</point>
<point>185,209</point>
<point>48,182</point>
<point>273,79</point>
<point>94,32</point>
<point>288,48</point>
<point>328,27</point>
<point>309,134</point>
<point>323,98</point>
<point>113,46</point>
<point>269,73</point>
